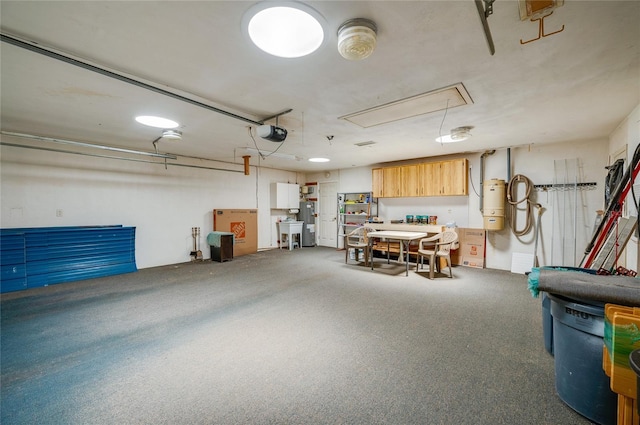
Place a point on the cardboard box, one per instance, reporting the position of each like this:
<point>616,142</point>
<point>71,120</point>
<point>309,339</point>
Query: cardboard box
<point>243,224</point>
<point>471,252</point>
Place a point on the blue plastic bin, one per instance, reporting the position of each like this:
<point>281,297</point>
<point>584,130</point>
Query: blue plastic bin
<point>578,338</point>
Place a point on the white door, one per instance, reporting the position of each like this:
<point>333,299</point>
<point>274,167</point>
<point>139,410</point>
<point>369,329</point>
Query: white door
<point>328,204</point>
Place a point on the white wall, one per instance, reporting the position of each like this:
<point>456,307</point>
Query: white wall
<point>570,210</point>
<point>536,162</point>
<point>163,204</point>
<point>447,209</point>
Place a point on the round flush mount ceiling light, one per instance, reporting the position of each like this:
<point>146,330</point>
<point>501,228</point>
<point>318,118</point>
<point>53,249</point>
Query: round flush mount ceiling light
<point>286,30</point>
<point>357,38</point>
<point>172,134</point>
<point>157,122</point>
<point>318,159</point>
<point>458,134</point>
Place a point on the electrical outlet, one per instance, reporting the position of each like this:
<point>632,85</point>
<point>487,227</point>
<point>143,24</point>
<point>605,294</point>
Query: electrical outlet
<point>59,213</point>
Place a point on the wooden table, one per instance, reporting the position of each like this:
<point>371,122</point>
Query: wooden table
<point>403,237</point>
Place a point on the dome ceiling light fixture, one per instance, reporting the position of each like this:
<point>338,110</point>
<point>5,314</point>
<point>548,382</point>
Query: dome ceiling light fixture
<point>458,134</point>
<point>357,38</point>
<point>319,159</point>
<point>172,134</point>
<point>284,29</point>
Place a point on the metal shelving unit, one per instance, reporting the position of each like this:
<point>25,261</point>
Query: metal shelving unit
<point>354,210</point>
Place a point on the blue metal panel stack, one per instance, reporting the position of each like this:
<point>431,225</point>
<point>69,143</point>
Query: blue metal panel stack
<point>33,257</point>
<point>13,267</point>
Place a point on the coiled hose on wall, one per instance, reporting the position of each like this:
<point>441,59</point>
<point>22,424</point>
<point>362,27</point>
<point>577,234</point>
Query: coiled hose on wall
<point>512,193</point>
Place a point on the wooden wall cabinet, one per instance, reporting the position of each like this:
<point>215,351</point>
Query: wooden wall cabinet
<point>391,182</point>
<point>454,176</point>
<point>431,179</point>
<point>442,178</point>
<point>411,180</point>
<point>377,176</point>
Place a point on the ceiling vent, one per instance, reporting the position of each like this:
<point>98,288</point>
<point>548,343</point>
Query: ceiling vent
<point>425,103</point>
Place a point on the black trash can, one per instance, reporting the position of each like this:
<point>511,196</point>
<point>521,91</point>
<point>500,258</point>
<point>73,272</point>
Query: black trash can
<point>578,338</point>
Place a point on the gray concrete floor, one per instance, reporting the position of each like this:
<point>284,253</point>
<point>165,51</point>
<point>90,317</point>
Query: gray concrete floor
<point>279,337</point>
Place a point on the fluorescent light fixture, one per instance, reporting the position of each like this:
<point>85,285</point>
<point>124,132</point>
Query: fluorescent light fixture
<point>284,29</point>
<point>319,159</point>
<point>157,122</point>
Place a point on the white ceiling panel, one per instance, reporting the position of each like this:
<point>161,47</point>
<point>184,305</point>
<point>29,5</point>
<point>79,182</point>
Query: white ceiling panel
<point>578,84</point>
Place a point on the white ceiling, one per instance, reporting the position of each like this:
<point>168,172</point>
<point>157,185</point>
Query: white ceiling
<point>576,85</point>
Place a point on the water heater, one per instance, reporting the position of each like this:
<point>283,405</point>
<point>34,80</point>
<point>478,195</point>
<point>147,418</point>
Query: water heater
<point>494,196</point>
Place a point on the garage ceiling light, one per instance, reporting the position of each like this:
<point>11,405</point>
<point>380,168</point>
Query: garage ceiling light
<point>457,135</point>
<point>157,122</point>
<point>286,30</point>
<point>172,134</point>
<point>357,38</point>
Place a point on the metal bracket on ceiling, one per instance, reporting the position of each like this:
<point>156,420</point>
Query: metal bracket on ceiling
<point>488,8</point>
<point>276,116</point>
<point>484,11</point>
<point>541,32</point>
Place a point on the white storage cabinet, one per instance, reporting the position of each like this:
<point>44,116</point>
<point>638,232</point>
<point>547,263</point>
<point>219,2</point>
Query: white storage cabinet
<point>285,196</point>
